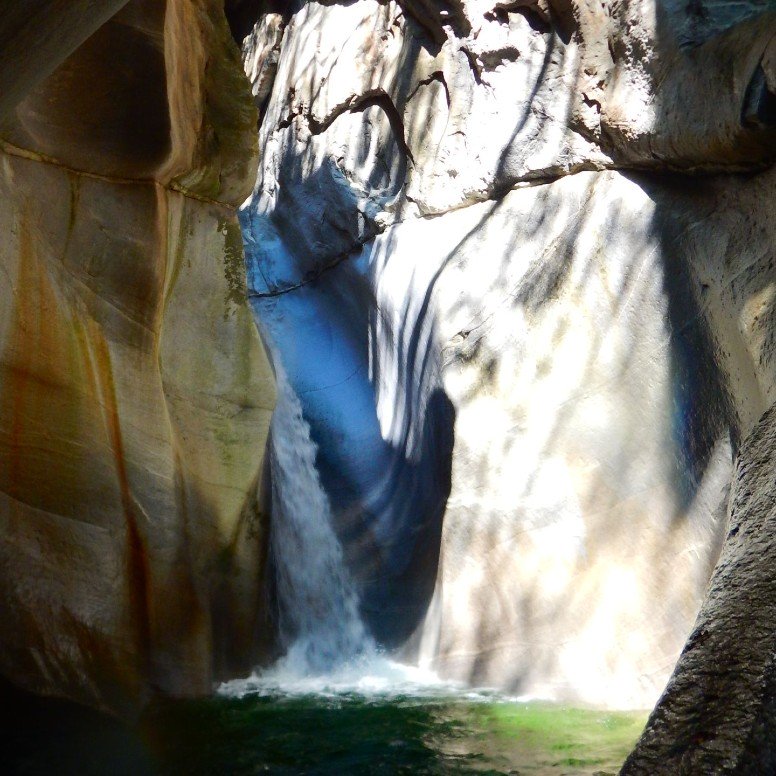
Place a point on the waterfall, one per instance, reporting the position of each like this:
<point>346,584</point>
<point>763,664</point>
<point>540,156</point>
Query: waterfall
<point>328,649</point>
<point>320,624</point>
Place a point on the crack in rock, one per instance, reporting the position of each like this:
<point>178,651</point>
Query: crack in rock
<point>359,103</point>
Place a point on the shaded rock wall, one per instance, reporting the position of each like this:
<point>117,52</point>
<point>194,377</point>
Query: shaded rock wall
<point>522,250</point>
<point>36,36</point>
<point>135,394</point>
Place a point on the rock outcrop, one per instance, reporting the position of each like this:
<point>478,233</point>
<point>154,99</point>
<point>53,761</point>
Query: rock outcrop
<point>717,714</point>
<point>518,261</point>
<point>135,394</point>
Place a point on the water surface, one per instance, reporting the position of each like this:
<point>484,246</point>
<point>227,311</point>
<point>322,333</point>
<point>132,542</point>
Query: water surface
<point>338,733</point>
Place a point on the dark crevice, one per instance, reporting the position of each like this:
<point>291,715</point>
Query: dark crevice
<point>262,110</point>
<point>434,32</point>
<point>562,19</point>
<point>529,10</point>
<point>242,15</point>
<point>434,15</point>
<point>288,120</point>
<point>474,65</point>
<point>759,108</point>
<point>591,102</point>
<point>262,104</point>
<point>359,103</point>
<point>437,75</point>
<point>492,59</point>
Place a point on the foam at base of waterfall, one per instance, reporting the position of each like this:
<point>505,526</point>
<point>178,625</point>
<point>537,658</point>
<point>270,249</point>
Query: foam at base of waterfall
<point>372,677</point>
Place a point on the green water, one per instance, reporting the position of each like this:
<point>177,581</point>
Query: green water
<point>312,735</point>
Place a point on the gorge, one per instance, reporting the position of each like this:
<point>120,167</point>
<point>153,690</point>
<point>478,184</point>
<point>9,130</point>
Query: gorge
<point>435,335</point>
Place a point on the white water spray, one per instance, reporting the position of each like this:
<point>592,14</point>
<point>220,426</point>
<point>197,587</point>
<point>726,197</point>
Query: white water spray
<point>320,624</point>
<point>329,651</point>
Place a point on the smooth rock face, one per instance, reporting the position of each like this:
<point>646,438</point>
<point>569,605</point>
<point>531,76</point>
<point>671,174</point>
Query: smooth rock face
<point>37,35</point>
<point>135,394</point>
<point>471,249</point>
<point>587,499</point>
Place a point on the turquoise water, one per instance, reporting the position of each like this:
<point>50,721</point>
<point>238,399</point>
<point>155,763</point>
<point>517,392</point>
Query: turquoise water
<point>337,735</point>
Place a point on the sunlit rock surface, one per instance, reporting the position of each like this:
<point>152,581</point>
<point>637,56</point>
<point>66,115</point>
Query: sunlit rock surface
<point>135,394</point>
<point>528,334</point>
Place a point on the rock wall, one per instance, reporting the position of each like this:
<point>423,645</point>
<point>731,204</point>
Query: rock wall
<point>517,259</point>
<point>135,393</point>
<point>717,713</point>
<point>37,35</point>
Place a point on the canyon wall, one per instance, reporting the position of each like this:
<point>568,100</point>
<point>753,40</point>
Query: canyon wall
<point>517,260</point>
<point>135,393</point>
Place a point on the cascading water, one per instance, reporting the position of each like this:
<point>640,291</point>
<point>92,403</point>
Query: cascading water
<point>320,623</point>
<point>328,648</point>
